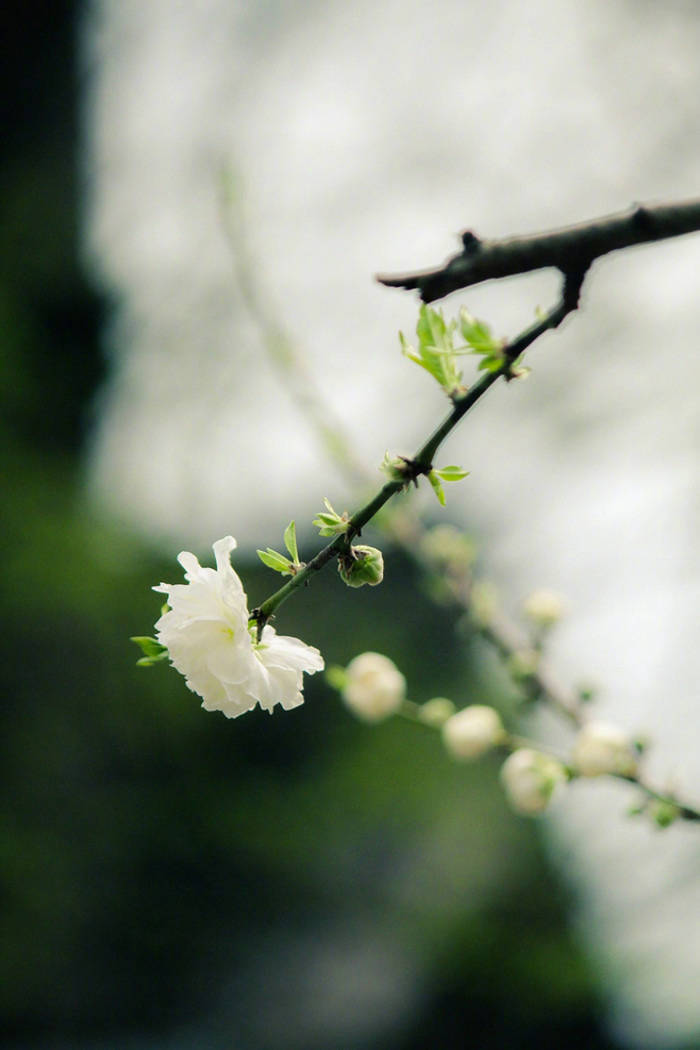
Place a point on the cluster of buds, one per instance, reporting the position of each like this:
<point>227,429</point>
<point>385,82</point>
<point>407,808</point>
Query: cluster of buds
<point>373,688</point>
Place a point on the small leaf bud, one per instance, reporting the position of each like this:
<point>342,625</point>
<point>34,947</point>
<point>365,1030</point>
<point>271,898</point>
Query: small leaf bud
<point>523,663</point>
<point>396,468</point>
<point>374,687</point>
<point>601,749</point>
<point>435,712</point>
<point>586,692</point>
<point>663,813</point>
<point>472,731</point>
<point>361,565</point>
<point>336,677</point>
<point>529,779</point>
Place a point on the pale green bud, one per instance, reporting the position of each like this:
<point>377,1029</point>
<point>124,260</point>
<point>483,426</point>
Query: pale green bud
<point>435,712</point>
<point>472,731</point>
<point>601,748</point>
<point>663,813</point>
<point>374,688</point>
<point>361,565</point>
<point>523,663</point>
<point>529,779</point>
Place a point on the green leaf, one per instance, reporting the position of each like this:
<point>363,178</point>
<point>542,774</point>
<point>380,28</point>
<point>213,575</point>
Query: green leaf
<point>437,487</point>
<point>329,522</point>
<point>436,352</point>
<point>477,333</point>
<point>150,647</point>
<point>290,541</point>
<point>491,363</point>
<point>153,651</point>
<point>452,473</point>
<point>149,661</point>
<point>275,560</point>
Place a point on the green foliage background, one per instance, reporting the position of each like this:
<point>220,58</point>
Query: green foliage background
<point>158,864</point>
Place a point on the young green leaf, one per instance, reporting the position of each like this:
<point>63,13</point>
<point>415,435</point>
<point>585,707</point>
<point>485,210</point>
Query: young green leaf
<point>436,352</point>
<point>290,541</point>
<point>149,646</point>
<point>451,473</point>
<point>437,487</point>
<point>477,334</point>
<point>153,651</point>
<point>329,522</point>
<point>275,560</point>
<point>149,661</point>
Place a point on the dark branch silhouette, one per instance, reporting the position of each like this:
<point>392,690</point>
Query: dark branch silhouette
<point>570,249</point>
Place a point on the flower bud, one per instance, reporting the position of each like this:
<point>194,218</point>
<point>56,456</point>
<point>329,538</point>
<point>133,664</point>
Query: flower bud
<point>529,779</point>
<point>523,664</point>
<point>483,603</point>
<point>435,712</point>
<point>374,687</point>
<point>361,565</point>
<point>472,731</point>
<point>545,608</point>
<point>601,748</point>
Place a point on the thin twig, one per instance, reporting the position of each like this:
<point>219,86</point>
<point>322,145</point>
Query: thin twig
<point>422,462</point>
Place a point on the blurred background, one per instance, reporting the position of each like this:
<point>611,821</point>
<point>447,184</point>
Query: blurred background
<point>171,879</point>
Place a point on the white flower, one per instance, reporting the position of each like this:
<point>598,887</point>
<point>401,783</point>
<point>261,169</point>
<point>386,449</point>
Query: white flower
<point>472,731</point>
<point>207,634</point>
<point>374,687</point>
<point>529,779</point>
<point>601,748</point>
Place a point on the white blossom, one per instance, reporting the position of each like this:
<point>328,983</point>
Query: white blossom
<point>472,731</point>
<point>602,748</point>
<point>374,688</point>
<point>210,641</point>
<point>529,779</point>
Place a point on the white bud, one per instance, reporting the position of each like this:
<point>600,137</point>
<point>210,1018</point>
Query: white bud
<point>529,779</point>
<point>601,748</point>
<point>374,687</point>
<point>472,731</point>
<point>544,607</point>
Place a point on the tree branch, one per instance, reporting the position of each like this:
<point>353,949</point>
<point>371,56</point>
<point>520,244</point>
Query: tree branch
<point>570,249</point>
<point>423,460</point>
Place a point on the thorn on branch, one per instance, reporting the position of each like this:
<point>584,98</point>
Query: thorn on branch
<point>470,242</point>
<point>643,219</point>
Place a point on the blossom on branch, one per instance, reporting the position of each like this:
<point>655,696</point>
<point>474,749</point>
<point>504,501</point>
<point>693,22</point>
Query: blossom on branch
<point>601,748</point>
<point>211,640</point>
<point>529,779</point>
<point>373,688</point>
<point>472,731</point>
